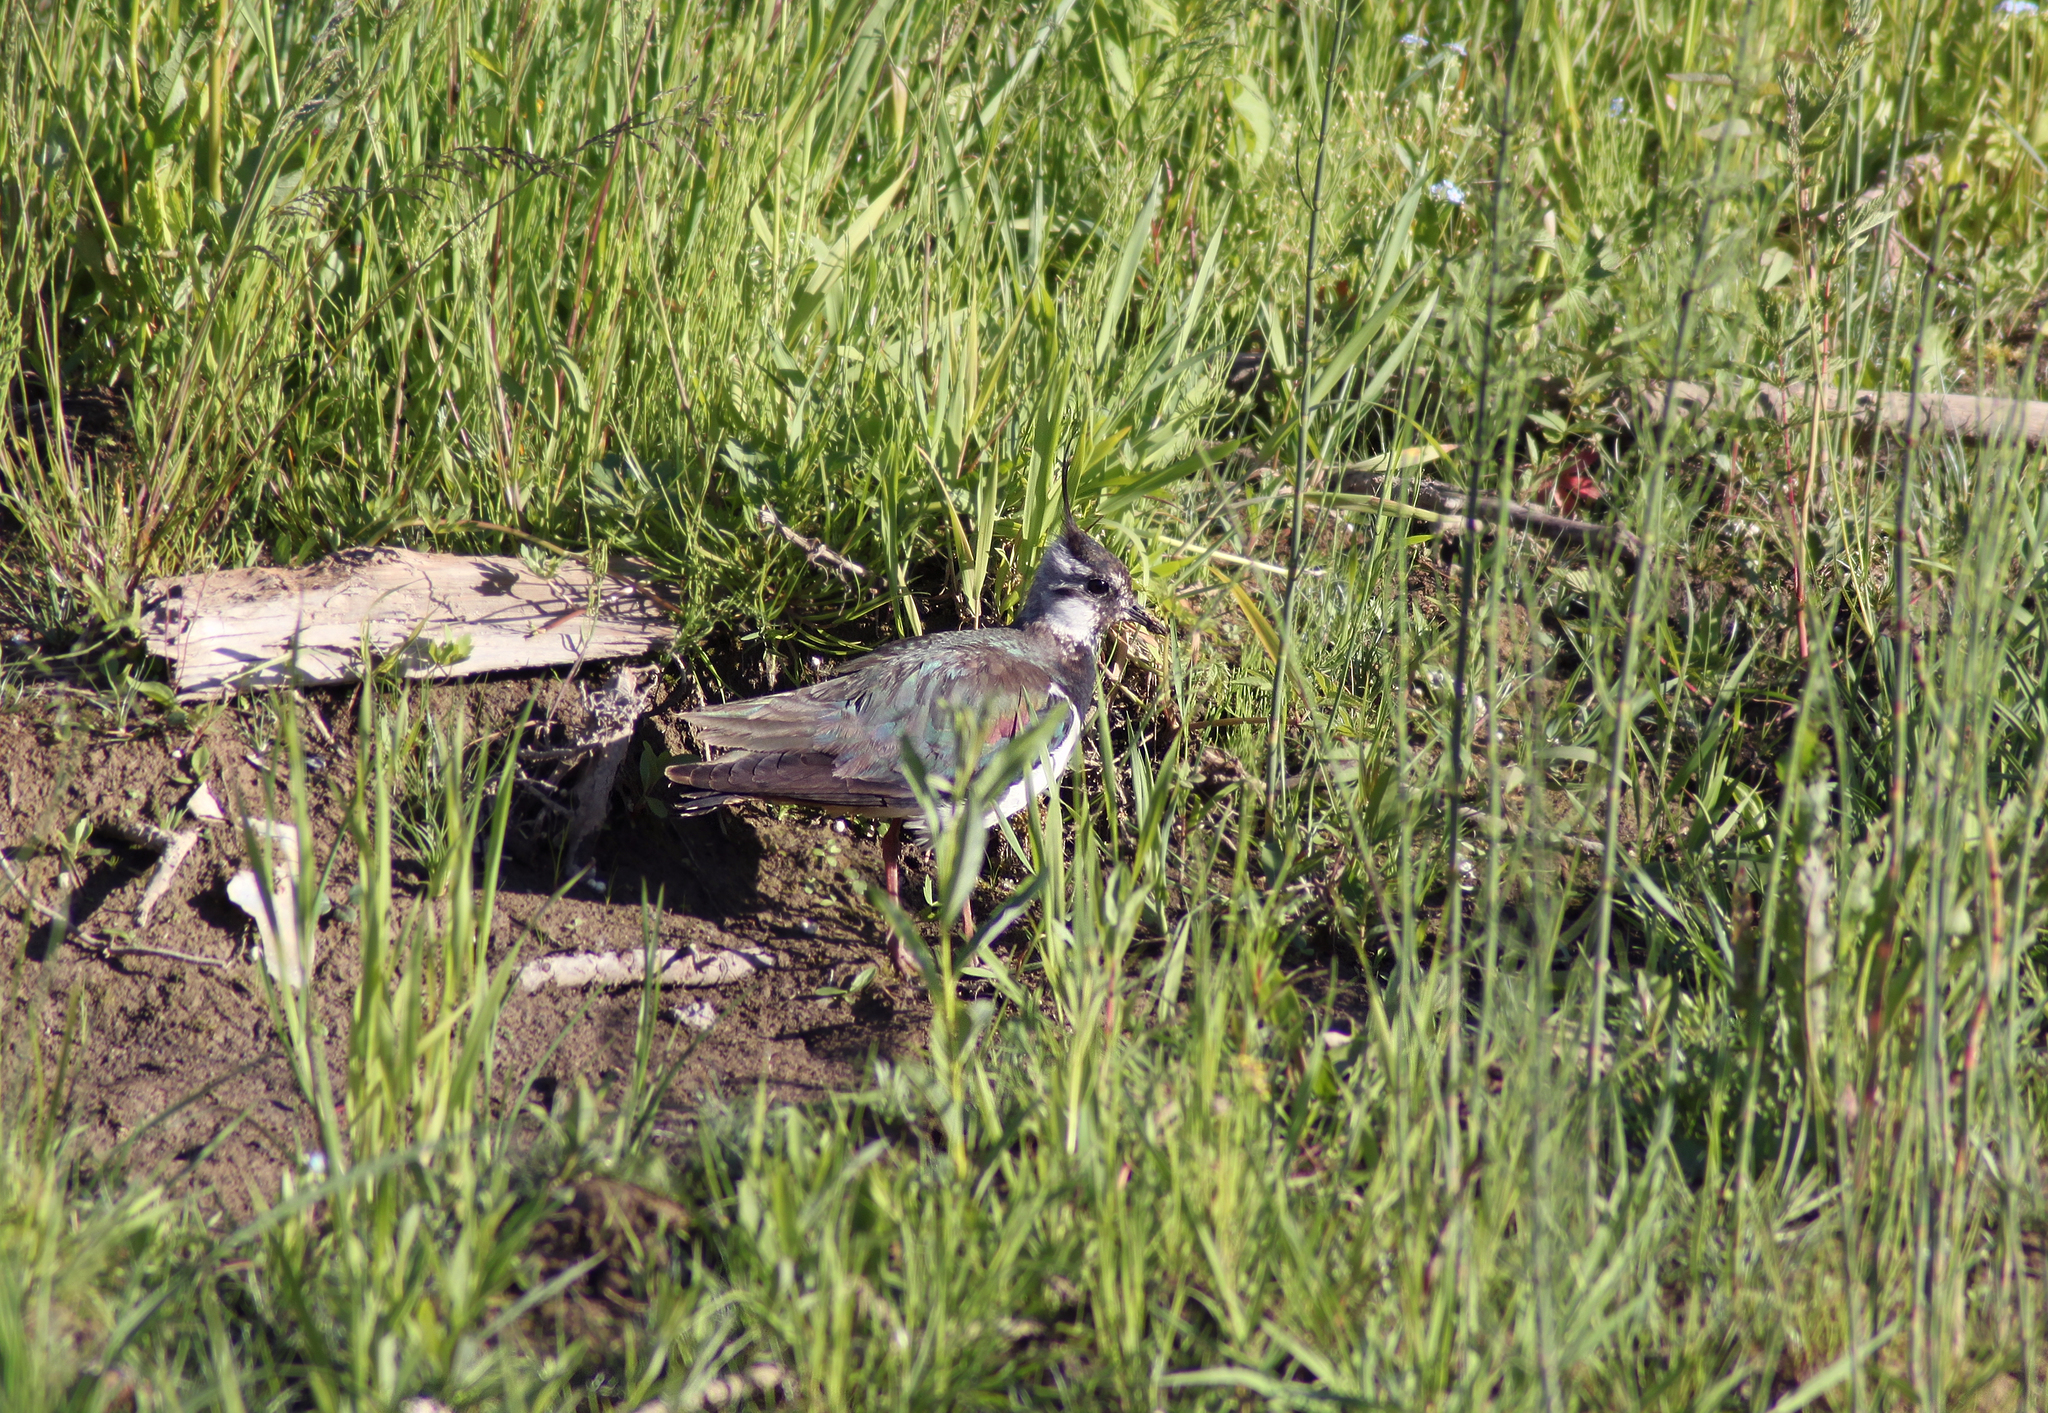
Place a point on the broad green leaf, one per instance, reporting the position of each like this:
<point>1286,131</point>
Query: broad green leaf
<point>1393,361</point>
<point>1117,64</point>
<point>573,382</point>
<point>856,233</point>
<point>1254,135</point>
<point>991,109</point>
<point>1340,363</point>
<point>1127,268</point>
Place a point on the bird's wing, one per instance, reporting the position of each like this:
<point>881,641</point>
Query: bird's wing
<point>786,777</point>
<point>919,697</point>
<point>911,690</point>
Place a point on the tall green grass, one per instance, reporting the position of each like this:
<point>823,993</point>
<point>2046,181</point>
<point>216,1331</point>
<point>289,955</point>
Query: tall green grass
<point>1373,1086</point>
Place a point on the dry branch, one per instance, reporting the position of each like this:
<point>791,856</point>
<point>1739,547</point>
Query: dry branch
<point>816,551</point>
<point>1993,420</point>
<point>106,951</point>
<point>569,781</point>
<point>1450,505</point>
<point>432,615</point>
<point>173,848</point>
<point>1997,420</point>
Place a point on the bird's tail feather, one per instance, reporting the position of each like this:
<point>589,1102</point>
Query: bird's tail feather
<point>691,806</point>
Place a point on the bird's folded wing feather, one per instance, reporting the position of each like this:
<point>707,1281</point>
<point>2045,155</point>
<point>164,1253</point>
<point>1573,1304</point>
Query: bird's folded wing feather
<point>858,721</point>
<point>792,777</point>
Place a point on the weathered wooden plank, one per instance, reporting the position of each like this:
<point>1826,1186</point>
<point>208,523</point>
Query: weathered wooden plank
<point>432,615</point>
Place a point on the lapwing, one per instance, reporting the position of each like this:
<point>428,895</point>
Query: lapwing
<point>838,744</point>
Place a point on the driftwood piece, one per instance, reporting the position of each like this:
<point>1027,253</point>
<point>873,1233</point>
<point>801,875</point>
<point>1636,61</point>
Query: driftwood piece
<point>1997,420</point>
<point>697,1015</point>
<point>1451,504</point>
<point>435,615</point>
<point>718,966</point>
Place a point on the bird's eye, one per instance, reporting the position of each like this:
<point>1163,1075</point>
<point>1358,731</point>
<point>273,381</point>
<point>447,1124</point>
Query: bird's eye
<point>1098,586</point>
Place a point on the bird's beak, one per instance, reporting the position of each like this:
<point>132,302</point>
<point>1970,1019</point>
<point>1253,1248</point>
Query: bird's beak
<point>1138,615</point>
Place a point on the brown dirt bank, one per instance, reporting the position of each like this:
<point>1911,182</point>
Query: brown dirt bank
<point>180,1061</point>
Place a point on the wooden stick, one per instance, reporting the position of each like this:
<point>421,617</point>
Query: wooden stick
<point>1449,504</point>
<point>94,946</point>
<point>816,551</point>
<point>1999,421</point>
<point>174,848</point>
<point>617,706</point>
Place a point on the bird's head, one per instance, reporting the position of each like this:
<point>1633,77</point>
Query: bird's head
<point>1080,590</point>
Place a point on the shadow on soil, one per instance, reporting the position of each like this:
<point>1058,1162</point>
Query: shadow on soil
<point>171,1050</point>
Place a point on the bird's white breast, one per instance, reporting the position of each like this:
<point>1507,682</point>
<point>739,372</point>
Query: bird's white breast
<point>1044,772</point>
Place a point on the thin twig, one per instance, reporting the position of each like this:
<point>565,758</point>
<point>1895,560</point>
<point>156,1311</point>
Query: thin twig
<point>99,948</point>
<point>1457,510</point>
<point>173,848</point>
<point>60,917</point>
<point>574,750</point>
<point>816,551</point>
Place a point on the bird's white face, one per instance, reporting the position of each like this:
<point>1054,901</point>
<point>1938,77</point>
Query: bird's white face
<point>1080,590</point>
<point>1077,618</point>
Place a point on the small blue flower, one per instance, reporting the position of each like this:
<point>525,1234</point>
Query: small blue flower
<point>315,1163</point>
<point>1449,191</point>
<point>1456,48</point>
<point>2019,9</point>
<point>1616,106</point>
<point>1414,41</point>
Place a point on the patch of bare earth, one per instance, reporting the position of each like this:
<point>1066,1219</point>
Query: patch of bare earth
<point>177,1057</point>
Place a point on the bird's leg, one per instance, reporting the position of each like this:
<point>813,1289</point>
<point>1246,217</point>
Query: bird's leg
<point>892,880</point>
<point>892,858</point>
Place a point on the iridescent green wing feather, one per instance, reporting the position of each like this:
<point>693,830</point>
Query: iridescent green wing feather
<point>838,743</point>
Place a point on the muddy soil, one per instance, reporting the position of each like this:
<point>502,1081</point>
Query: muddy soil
<point>173,1061</point>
